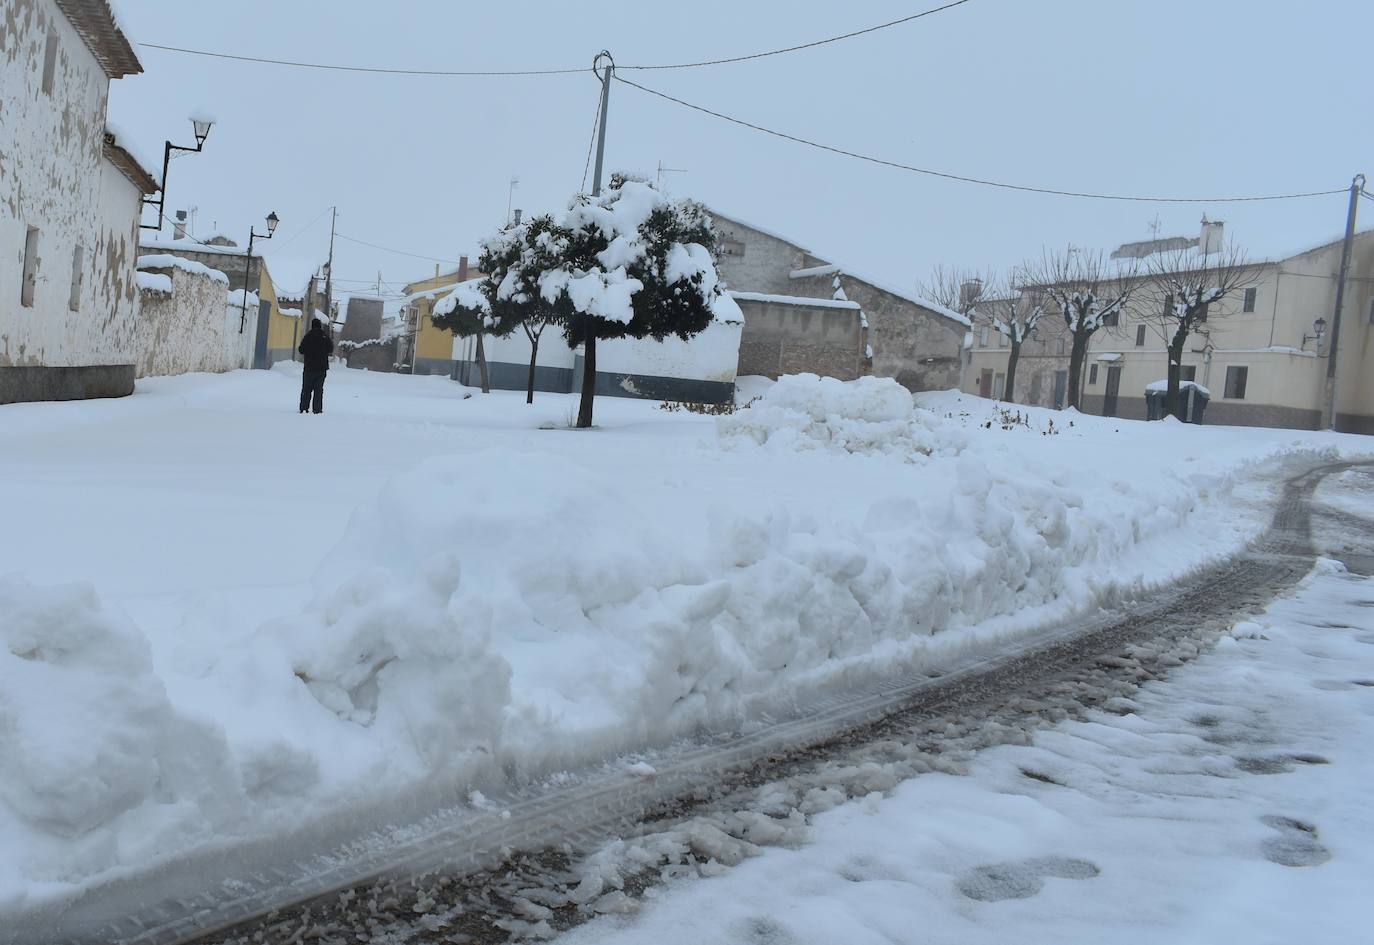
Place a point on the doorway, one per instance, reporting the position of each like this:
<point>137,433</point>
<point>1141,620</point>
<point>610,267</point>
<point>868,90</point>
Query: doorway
<point>1113,389</point>
<point>985,383</point>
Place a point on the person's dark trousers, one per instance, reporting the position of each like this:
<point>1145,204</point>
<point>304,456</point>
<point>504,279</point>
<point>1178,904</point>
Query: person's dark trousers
<point>312,387</point>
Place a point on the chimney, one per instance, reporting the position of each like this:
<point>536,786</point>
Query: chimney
<point>1213,236</point>
<point>970,291</point>
<point>179,227</point>
<point>463,268</point>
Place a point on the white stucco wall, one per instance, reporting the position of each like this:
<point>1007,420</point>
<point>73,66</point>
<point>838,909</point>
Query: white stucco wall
<point>712,355</point>
<point>53,177</point>
<point>190,328</point>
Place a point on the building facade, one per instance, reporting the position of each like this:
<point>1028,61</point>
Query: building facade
<point>1261,358</point>
<point>917,343</point>
<point>70,198</point>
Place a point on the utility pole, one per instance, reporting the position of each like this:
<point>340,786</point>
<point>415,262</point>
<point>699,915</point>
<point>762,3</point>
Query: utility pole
<point>329,274</point>
<point>510,196</point>
<point>584,410</point>
<point>1329,401</point>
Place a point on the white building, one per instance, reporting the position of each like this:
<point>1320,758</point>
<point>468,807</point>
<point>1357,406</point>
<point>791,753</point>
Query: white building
<point>70,197</point>
<point>1261,357</point>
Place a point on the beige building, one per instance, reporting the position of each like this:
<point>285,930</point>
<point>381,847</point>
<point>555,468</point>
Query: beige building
<point>1262,359</point>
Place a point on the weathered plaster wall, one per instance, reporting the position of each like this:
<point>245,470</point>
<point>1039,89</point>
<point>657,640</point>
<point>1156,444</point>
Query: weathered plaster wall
<point>783,338</point>
<point>188,329</point>
<point>765,263</point>
<point>53,177</point>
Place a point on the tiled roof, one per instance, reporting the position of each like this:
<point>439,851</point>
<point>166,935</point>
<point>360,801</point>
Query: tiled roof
<point>95,22</point>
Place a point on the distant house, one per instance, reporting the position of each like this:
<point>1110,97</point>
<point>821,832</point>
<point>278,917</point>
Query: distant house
<point>858,326</point>
<point>70,197</point>
<point>429,350</point>
<point>1262,357</point>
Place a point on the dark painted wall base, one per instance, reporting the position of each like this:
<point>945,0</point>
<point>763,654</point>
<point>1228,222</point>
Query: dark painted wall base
<point>442,367</point>
<point>508,376</point>
<point>28,384</point>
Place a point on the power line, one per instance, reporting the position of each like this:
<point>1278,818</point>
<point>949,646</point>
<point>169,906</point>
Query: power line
<point>398,252</point>
<point>382,70</point>
<point>810,45</point>
<point>970,180</point>
<point>301,232</point>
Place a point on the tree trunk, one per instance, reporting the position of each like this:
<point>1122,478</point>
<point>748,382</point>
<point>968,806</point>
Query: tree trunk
<point>584,410</point>
<point>534,357</point>
<point>482,365</point>
<point>1009,387</point>
<point>1172,402</point>
<point>1077,355</point>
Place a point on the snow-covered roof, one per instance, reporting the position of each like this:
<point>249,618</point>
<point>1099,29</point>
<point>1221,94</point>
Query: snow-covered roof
<point>236,298</point>
<point>171,261</point>
<point>1110,356</point>
<point>725,309</point>
<point>826,270</point>
<point>830,267</point>
<point>189,246</point>
<point>793,300</point>
<point>290,312</point>
<point>98,26</point>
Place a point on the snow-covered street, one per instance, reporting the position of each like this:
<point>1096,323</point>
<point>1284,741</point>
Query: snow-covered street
<point>294,620</point>
<point>1228,803</point>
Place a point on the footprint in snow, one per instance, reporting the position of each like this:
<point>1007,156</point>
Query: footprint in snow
<point>1021,879</point>
<point>762,930</point>
<point>1296,844</point>
<point>1277,764</point>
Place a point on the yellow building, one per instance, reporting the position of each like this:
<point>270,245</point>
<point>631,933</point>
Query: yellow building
<point>430,350</point>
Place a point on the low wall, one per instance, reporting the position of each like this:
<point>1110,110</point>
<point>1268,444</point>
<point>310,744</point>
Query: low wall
<point>25,384</point>
<point>794,338</point>
<point>185,325</point>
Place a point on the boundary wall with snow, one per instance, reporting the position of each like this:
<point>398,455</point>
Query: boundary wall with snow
<point>701,370</point>
<point>185,323</point>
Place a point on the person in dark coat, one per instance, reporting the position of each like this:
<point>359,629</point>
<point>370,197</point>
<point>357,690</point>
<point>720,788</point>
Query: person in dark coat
<point>315,347</point>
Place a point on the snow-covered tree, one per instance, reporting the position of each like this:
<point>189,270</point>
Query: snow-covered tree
<point>513,260</point>
<point>466,312</point>
<point>959,290</point>
<point>1089,296</point>
<point>1014,315</point>
<point>1180,288</point>
<point>629,263</point>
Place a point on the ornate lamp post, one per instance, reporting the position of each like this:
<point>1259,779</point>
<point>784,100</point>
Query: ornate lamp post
<point>248,263</point>
<point>202,129</point>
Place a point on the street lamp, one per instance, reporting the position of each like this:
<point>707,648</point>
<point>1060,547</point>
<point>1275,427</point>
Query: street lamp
<point>1318,329</point>
<point>248,263</point>
<point>202,130</point>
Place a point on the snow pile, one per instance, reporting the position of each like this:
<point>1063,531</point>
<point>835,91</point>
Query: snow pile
<point>171,261</point>
<point>806,412</point>
<point>153,282</point>
<point>1182,385</point>
<point>89,737</point>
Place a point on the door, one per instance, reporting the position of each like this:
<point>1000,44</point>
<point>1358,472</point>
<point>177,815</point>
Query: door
<point>1113,387</point>
<point>1061,388</point>
<point>985,383</point>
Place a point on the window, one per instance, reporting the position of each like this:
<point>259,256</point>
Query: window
<point>1168,305</point>
<point>1002,340</point>
<point>1092,374</point>
<point>1235,382</point>
<point>998,383</point>
<point>983,336</point>
<point>1111,319</point>
<point>1059,345</point>
<point>1249,304</point>
<point>732,248</point>
<point>1140,336</point>
<point>50,61</point>
<point>78,276</point>
<point>1187,372</point>
<point>30,280</point>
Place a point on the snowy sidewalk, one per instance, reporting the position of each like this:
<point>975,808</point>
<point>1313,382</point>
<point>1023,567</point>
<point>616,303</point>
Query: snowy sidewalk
<point>1231,804</point>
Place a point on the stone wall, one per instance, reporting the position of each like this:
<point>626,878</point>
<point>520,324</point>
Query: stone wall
<point>792,338</point>
<point>189,328</point>
<point>363,321</point>
<point>750,260</point>
<point>379,357</point>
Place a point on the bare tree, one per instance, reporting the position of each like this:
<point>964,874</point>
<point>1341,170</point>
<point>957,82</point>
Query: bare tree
<point>1179,289</point>
<point>1014,315</point>
<point>1089,295</point>
<point>958,290</point>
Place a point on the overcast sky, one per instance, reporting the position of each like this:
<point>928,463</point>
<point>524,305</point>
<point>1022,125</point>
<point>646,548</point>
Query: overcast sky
<point>1165,97</point>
